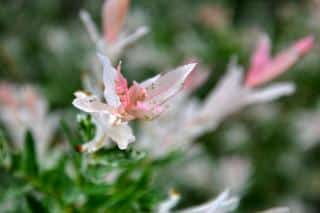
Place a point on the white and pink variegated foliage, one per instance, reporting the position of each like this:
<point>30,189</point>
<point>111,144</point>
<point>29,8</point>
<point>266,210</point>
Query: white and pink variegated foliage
<point>114,38</point>
<point>233,92</point>
<point>172,131</point>
<point>264,68</point>
<point>145,101</point>
<point>24,108</point>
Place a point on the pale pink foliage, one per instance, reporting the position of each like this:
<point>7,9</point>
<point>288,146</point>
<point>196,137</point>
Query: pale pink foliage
<point>123,103</point>
<point>24,108</point>
<point>114,13</point>
<point>197,77</point>
<point>228,97</point>
<point>114,38</point>
<point>264,68</point>
<point>145,100</point>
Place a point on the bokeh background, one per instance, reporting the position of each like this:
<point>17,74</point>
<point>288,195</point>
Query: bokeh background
<point>43,42</point>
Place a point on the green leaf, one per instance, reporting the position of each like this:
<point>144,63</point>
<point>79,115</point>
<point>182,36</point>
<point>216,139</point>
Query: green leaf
<point>98,165</point>
<point>130,190</point>
<point>34,204</point>
<point>12,190</point>
<point>29,158</point>
<point>73,139</point>
<point>4,151</point>
<point>116,158</point>
<point>95,189</point>
<point>86,126</point>
<point>168,159</point>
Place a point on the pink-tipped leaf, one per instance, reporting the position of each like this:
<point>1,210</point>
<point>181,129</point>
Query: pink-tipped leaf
<point>263,69</point>
<point>113,18</point>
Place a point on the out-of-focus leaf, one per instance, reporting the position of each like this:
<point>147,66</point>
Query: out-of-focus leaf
<point>16,159</point>
<point>129,189</point>
<point>97,173</point>
<point>95,189</point>
<point>116,158</point>
<point>98,165</point>
<point>4,151</point>
<point>72,139</point>
<point>12,192</point>
<point>34,204</point>
<point>168,159</point>
<point>29,159</point>
<point>58,183</point>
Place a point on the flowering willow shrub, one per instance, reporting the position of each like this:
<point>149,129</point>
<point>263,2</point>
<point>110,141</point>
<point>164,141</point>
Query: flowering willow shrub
<point>233,92</point>
<point>110,166</point>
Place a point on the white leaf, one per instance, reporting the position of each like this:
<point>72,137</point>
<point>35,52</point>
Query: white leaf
<point>132,38</point>
<point>90,103</point>
<point>277,210</point>
<point>225,99</point>
<point>90,26</point>
<point>109,77</point>
<point>168,84</point>
<point>271,92</point>
<point>222,204</point>
<point>149,81</point>
<point>121,134</point>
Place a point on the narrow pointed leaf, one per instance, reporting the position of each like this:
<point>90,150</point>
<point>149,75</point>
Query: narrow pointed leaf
<point>29,160</point>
